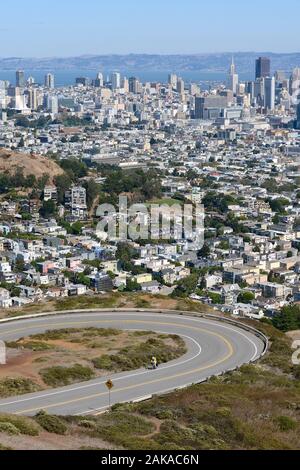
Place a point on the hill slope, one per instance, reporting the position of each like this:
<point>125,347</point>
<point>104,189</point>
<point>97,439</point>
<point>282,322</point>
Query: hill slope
<point>11,161</point>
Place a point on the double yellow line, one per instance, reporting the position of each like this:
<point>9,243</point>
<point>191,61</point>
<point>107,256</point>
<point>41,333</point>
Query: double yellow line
<point>130,387</point>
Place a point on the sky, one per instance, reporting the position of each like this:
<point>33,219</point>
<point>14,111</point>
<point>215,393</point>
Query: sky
<point>38,28</point>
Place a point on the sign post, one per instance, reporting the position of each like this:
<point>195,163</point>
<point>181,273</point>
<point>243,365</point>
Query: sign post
<point>109,384</point>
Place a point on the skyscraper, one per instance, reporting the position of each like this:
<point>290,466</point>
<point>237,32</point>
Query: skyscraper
<point>298,116</point>
<point>116,80</point>
<point>53,104</point>
<point>263,67</point>
<point>180,86</point>
<point>233,79</point>
<point>32,99</point>
<point>133,85</point>
<point>270,93</point>
<point>295,86</point>
<point>49,80</point>
<point>99,82</point>
<point>20,79</point>
<point>172,80</point>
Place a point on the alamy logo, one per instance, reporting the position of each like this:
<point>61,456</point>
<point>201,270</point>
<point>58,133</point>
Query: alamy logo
<point>2,353</point>
<point>296,355</point>
<point>152,222</point>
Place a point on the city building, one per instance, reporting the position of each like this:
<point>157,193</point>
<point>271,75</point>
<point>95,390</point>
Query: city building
<point>49,80</point>
<point>20,79</point>
<point>115,81</point>
<point>263,67</point>
<point>269,93</point>
<point>233,79</point>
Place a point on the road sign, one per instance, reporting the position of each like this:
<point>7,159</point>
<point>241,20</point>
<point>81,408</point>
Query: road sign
<point>109,384</point>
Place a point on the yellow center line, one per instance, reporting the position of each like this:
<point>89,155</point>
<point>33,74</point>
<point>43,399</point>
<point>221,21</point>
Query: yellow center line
<point>182,374</point>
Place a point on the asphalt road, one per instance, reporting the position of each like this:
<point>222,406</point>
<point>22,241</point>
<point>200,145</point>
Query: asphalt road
<point>212,347</point>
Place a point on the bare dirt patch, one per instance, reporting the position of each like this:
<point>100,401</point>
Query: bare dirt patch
<point>42,358</point>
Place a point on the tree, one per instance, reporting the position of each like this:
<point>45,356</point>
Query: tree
<point>186,286</point>
<point>19,265</point>
<point>77,228</point>
<point>124,253</point>
<point>63,183</point>
<point>48,209</point>
<point>204,252</point>
<point>74,166</point>
<point>92,191</point>
<point>132,286</point>
<point>246,297</point>
<point>288,319</point>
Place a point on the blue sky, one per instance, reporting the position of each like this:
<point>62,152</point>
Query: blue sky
<point>74,27</point>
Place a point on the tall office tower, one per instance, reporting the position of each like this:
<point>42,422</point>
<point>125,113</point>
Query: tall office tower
<point>270,93</point>
<point>172,80</point>
<point>259,91</point>
<point>84,81</point>
<point>180,86</point>
<point>2,95</point>
<point>116,80</point>
<point>32,99</point>
<point>125,84</point>
<point>263,67</point>
<point>133,85</point>
<point>20,79</point>
<point>295,86</point>
<point>53,104</point>
<point>280,76</point>
<point>49,80</point>
<point>30,81</point>
<point>298,116</point>
<point>18,98</point>
<point>233,79</point>
<point>194,89</point>
<point>249,88</point>
<point>99,82</point>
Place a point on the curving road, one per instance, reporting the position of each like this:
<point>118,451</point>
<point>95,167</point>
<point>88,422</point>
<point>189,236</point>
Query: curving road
<point>213,347</point>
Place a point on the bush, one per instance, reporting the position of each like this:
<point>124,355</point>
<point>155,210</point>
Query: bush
<point>9,428</point>
<point>119,427</point>
<point>286,423</point>
<point>134,357</point>
<point>51,423</point>
<point>13,386</point>
<point>23,424</point>
<point>58,376</point>
<point>2,447</point>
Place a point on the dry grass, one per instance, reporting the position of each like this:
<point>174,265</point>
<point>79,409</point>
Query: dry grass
<point>37,165</point>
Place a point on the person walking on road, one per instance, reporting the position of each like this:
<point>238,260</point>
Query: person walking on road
<point>154,362</point>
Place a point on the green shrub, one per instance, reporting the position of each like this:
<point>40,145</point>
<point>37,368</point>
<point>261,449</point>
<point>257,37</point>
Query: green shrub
<point>88,424</point>
<point>51,423</point>
<point>25,425</point>
<point>286,423</point>
<point>58,376</point>
<point>16,386</point>
<point>136,356</point>
<point>37,346</point>
<point>2,447</point>
<point>9,428</point>
<point>122,429</point>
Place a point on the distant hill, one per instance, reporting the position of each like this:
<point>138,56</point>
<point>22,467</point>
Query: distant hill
<point>154,62</point>
<point>37,165</point>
